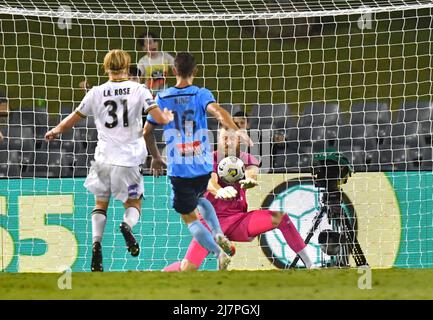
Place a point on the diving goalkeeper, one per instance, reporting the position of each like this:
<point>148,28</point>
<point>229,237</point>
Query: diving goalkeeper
<point>231,207</point>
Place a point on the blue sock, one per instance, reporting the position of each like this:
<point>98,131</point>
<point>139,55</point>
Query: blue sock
<point>203,237</point>
<point>208,213</point>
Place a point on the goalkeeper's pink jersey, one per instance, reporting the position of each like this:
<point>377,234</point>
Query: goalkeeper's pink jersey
<point>239,204</point>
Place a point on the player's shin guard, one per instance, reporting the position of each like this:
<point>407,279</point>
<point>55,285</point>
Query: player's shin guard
<point>131,216</point>
<point>294,240</point>
<point>204,237</point>
<point>208,213</point>
<point>99,218</point>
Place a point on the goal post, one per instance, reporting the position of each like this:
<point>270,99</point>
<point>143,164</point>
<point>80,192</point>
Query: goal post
<point>349,76</point>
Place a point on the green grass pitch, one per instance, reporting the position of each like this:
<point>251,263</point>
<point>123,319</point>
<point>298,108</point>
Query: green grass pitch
<point>254,285</point>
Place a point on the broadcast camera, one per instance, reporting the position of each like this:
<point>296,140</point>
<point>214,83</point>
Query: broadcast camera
<point>330,171</point>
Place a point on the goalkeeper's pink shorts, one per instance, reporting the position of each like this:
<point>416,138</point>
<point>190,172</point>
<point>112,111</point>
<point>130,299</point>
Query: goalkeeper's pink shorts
<point>236,227</point>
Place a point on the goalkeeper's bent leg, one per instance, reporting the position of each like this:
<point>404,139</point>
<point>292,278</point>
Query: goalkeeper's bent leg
<point>174,267</point>
<point>192,261</point>
<point>180,266</point>
<point>294,239</point>
<point>265,220</point>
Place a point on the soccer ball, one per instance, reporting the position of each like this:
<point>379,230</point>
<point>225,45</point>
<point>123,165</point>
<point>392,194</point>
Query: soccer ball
<point>231,170</point>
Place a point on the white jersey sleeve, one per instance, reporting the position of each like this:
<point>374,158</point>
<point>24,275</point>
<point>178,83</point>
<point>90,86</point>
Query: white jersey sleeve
<point>85,107</point>
<point>148,100</point>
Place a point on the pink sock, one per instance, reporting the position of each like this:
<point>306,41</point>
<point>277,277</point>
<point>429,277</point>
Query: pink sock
<point>292,236</point>
<point>174,267</point>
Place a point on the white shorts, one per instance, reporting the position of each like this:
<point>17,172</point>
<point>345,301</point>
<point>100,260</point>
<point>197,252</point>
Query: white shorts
<point>123,183</point>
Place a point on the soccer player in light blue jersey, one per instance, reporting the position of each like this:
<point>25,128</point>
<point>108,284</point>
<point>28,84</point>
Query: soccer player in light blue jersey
<point>189,156</point>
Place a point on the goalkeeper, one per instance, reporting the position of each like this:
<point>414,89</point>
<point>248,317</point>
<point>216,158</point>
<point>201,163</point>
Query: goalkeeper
<point>237,223</point>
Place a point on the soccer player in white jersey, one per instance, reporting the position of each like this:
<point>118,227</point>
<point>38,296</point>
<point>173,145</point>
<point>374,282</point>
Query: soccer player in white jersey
<point>117,107</point>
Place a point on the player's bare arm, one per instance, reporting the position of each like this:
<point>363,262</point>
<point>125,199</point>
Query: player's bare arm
<point>63,126</point>
<point>227,122</point>
<point>158,164</point>
<point>162,117</point>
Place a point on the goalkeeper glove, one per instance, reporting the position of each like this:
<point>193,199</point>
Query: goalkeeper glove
<point>248,183</point>
<point>226,193</point>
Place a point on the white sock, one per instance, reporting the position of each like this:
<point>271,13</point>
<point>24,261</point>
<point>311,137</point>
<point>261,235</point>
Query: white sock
<point>131,216</point>
<point>99,218</point>
<point>305,258</point>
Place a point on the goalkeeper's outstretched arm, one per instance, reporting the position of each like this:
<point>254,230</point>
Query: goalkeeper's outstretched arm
<point>250,180</point>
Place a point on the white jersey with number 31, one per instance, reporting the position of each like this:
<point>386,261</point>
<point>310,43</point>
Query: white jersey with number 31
<point>117,107</point>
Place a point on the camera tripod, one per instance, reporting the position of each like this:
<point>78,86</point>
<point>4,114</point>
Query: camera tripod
<point>341,241</point>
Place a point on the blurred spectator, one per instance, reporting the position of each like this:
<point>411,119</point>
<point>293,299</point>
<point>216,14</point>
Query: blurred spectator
<point>241,120</point>
<point>155,64</point>
<point>279,138</point>
<point>4,111</point>
<point>279,149</point>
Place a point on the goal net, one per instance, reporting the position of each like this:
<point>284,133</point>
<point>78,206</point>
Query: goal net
<point>303,77</point>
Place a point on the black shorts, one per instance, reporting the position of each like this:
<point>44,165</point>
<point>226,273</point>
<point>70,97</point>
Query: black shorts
<point>187,191</point>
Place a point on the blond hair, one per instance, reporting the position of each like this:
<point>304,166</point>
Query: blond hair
<point>117,61</point>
